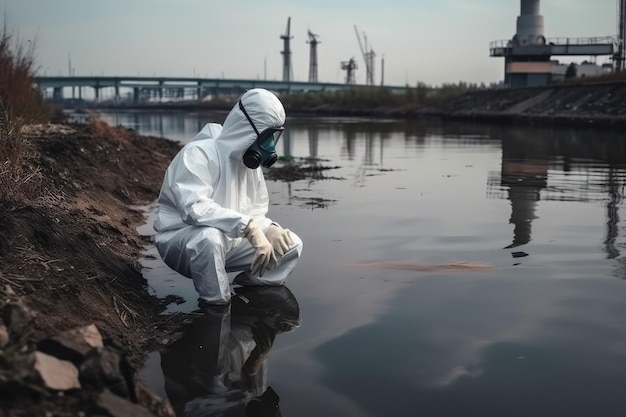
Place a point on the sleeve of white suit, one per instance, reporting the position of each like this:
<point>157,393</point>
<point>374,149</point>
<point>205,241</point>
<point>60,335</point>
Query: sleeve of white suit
<point>193,187</point>
<point>261,206</point>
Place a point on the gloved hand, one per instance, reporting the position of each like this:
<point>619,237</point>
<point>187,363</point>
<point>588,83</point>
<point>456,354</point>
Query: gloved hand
<point>279,238</point>
<point>265,258</point>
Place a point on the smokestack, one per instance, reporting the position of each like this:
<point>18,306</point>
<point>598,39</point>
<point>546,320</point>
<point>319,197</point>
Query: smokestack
<point>530,24</point>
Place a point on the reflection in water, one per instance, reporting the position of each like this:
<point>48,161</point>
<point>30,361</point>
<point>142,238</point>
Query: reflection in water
<point>563,166</point>
<point>401,342</point>
<point>313,142</point>
<point>440,360</point>
<point>286,139</point>
<point>349,148</point>
<point>172,124</point>
<point>538,164</point>
<point>219,365</point>
<point>616,196</point>
<point>525,174</point>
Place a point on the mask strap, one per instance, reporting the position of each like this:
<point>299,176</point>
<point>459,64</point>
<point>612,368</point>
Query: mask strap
<point>245,113</point>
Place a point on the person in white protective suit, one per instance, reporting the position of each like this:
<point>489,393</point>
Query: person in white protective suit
<point>212,210</point>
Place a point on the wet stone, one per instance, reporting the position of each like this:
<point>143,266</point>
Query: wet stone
<point>73,345</point>
<point>103,368</point>
<point>54,373</point>
<point>119,407</point>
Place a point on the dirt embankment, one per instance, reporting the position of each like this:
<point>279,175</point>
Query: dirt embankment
<point>76,317</point>
<point>69,261</point>
<point>600,105</point>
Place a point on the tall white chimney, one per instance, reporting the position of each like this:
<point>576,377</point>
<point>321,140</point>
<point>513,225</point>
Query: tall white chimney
<point>530,24</point>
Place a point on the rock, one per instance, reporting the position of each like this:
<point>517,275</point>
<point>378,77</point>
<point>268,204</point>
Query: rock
<point>153,402</point>
<point>4,335</point>
<point>17,316</point>
<point>73,345</point>
<point>105,369</point>
<point>115,406</point>
<point>55,374</point>
<point>9,291</point>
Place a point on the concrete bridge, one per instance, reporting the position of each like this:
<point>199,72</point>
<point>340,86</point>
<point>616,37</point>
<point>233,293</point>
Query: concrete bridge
<point>146,88</point>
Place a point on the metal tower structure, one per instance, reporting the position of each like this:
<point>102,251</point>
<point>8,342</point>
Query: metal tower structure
<point>369,57</point>
<point>313,57</point>
<point>620,55</point>
<point>527,56</point>
<point>349,67</point>
<point>286,53</point>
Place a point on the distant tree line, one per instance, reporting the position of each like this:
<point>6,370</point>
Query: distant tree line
<point>382,97</point>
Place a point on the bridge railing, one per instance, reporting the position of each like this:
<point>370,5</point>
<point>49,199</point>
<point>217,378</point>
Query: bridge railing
<point>142,86</point>
<point>560,41</point>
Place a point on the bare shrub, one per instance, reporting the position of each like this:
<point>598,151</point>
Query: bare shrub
<point>100,128</point>
<point>18,96</point>
<point>20,103</point>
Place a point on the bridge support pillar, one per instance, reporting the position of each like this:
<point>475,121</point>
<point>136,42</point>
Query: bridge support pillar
<point>97,93</point>
<point>136,94</point>
<point>117,91</point>
<point>57,93</point>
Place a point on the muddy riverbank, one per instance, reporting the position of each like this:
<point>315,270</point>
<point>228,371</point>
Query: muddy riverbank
<point>70,263</point>
<point>601,105</point>
<point>598,105</point>
<point>76,317</point>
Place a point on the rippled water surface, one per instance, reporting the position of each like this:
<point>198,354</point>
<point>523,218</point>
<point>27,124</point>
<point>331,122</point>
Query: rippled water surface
<point>541,334</point>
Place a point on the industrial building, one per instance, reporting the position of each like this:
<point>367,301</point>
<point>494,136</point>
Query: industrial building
<point>528,55</point>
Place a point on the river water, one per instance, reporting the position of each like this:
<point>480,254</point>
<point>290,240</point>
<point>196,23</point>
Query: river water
<point>543,333</point>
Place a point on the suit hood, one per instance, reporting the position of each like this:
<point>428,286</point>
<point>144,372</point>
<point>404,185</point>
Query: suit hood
<point>265,110</point>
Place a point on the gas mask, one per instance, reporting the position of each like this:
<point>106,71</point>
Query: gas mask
<point>263,150</point>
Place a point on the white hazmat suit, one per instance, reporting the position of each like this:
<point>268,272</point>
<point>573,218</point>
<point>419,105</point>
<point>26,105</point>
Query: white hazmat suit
<point>208,198</point>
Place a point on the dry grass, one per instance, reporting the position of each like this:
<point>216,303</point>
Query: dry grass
<point>20,104</point>
<point>18,96</point>
<point>97,126</point>
<point>20,178</point>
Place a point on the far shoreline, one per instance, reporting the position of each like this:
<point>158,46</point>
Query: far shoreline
<point>581,105</point>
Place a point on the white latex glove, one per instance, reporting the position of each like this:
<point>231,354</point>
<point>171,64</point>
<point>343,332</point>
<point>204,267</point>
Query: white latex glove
<point>279,238</point>
<point>265,258</point>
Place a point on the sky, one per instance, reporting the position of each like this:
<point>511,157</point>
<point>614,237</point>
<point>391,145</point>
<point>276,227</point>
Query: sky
<point>429,41</point>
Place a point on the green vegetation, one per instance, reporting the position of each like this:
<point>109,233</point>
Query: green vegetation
<point>371,98</point>
<point>20,104</point>
<point>609,77</point>
<point>571,71</point>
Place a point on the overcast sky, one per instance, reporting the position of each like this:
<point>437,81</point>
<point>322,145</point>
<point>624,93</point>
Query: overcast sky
<point>433,41</point>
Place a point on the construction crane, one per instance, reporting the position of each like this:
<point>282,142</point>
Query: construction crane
<point>286,53</point>
<point>368,57</point>
<point>349,67</point>
<point>313,57</point>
